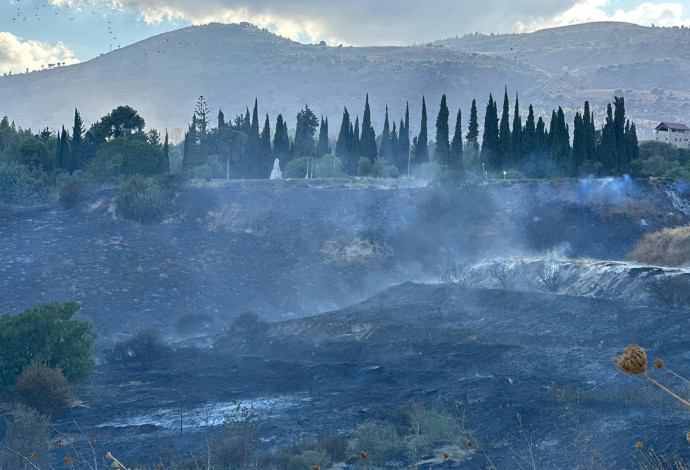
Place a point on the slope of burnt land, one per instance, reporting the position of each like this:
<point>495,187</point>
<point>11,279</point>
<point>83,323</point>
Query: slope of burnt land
<point>496,355</point>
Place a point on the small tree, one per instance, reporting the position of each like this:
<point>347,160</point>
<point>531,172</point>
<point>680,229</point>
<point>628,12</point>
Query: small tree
<point>500,270</point>
<point>462,275</point>
<point>549,276</point>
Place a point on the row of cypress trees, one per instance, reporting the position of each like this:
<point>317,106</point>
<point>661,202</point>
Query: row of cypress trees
<point>530,148</point>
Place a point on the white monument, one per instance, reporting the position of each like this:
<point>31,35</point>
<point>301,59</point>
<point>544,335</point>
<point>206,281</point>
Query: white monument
<point>276,174</point>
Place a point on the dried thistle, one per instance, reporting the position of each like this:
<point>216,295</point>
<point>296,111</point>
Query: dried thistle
<point>658,363</point>
<point>469,443</point>
<point>34,457</point>
<point>639,446</point>
<point>687,437</point>
<point>315,467</point>
<point>363,455</point>
<point>633,361</point>
<point>446,456</point>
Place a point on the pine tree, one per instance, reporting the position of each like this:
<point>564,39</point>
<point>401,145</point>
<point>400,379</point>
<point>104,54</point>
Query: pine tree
<point>456,145</point>
<point>386,150</point>
<point>528,137</point>
<point>76,160</point>
<point>307,122</point>
<point>516,155</point>
<point>442,152</point>
<point>490,151</point>
<point>367,143</point>
<point>322,146</point>
<point>166,150</point>
<point>266,154</point>
<point>504,135</point>
<point>422,142</point>
<point>343,146</point>
<point>473,134</point>
<point>201,113</point>
<point>221,119</point>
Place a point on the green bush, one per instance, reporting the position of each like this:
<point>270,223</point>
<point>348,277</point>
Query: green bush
<point>46,334</point>
<point>381,169</point>
<point>127,156</point>
<point>18,185</point>
<point>296,168</point>
<point>329,166</point>
<point>379,441</point>
<point>364,167</point>
<point>70,194</point>
<point>427,170</point>
<point>45,389</point>
<point>142,199</point>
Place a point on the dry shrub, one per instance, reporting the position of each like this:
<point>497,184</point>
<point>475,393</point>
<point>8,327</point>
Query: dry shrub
<point>144,346</point>
<point>674,292</point>
<point>669,247</point>
<point>70,194</point>
<point>26,435</point>
<point>44,389</point>
<point>462,275</point>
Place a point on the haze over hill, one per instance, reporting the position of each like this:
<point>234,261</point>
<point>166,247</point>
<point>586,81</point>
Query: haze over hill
<point>232,64</point>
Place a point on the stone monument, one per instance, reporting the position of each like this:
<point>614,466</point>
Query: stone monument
<point>276,174</point>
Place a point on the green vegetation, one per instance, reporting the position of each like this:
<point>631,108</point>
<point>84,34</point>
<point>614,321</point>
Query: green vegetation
<point>142,199</point>
<point>46,334</point>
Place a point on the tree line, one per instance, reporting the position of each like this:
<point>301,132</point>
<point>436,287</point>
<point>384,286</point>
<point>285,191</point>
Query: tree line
<point>242,148</point>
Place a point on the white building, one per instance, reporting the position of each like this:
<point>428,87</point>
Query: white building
<point>673,133</point>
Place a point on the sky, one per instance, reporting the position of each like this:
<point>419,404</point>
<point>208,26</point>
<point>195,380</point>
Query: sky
<point>44,33</point>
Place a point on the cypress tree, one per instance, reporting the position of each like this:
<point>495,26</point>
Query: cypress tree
<point>221,119</point>
<point>442,152</point>
<point>356,142</point>
<point>589,133</point>
<point>254,157</point>
<point>528,137</point>
<point>473,134</point>
<point>386,150</point>
<point>631,143</point>
<point>516,155</point>
<point>343,146</point>
<point>541,137</point>
<point>281,141</point>
<point>266,154</point>
<point>76,160</point>
<point>58,150</point>
<point>322,146</point>
<point>490,151</point>
<point>395,143</point>
<point>65,153</point>
<point>559,139</point>
<point>504,135</point>
<point>166,150</point>
<point>404,142</point>
<point>422,144</point>
<point>456,145</point>
<point>367,143</point>
<point>607,143</point>
<point>579,153</point>
<point>619,121</point>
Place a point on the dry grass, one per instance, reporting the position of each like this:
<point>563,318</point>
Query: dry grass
<point>669,247</point>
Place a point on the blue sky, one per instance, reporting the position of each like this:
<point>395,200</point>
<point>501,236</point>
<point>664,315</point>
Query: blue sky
<point>35,33</point>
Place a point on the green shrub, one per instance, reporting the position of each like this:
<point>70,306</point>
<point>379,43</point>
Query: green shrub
<point>329,166</point>
<point>379,441</point>
<point>335,445</point>
<point>142,199</point>
<point>18,185</point>
<point>427,170</point>
<point>70,194</point>
<point>381,169</point>
<point>364,167</point>
<point>44,389</point>
<point>46,334</point>
<point>678,173</point>
<point>296,168</point>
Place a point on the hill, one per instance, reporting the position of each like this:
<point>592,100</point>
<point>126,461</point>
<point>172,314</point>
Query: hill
<point>232,64</point>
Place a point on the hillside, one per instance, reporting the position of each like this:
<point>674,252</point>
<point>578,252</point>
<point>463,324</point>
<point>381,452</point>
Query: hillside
<point>231,64</point>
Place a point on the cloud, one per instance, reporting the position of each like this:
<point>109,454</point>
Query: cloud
<point>17,55</point>
<point>365,22</point>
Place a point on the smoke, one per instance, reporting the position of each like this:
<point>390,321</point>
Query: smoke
<point>606,191</point>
